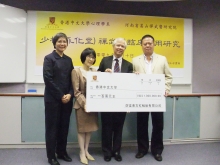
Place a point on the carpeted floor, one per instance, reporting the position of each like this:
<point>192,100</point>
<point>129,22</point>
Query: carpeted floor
<point>177,154</point>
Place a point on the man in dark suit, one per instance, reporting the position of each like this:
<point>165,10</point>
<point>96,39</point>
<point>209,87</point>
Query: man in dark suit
<point>112,122</point>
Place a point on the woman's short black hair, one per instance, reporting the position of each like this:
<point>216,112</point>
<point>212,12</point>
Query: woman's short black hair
<point>87,52</point>
<point>57,36</point>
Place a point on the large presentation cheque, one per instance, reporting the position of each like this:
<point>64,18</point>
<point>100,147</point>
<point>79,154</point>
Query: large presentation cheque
<point>125,92</point>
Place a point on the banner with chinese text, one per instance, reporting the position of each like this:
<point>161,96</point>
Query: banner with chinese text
<point>99,30</point>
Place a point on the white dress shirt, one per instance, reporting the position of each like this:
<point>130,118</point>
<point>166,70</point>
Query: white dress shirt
<point>148,64</point>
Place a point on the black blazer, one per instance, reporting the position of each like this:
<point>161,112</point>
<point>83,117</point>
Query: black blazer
<point>57,76</point>
<point>126,67</point>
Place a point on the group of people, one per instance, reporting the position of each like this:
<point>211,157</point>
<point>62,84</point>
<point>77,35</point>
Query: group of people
<point>63,82</point>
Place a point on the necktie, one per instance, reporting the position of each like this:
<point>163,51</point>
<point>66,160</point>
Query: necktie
<point>116,67</point>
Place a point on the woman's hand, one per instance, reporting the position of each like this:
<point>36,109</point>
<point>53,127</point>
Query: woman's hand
<point>108,70</point>
<point>66,98</point>
<point>85,108</point>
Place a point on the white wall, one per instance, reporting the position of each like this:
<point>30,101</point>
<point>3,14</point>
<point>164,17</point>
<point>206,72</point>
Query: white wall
<point>210,117</point>
<point>12,44</point>
<point>10,120</point>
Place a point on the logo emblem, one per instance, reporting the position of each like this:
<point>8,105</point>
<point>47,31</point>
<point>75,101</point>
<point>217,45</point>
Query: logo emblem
<point>52,20</point>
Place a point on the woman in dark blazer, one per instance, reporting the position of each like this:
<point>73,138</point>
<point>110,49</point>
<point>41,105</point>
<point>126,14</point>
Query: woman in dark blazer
<point>58,101</point>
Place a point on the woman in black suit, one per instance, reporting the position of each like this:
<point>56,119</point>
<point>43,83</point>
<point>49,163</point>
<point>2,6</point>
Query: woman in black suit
<point>58,101</point>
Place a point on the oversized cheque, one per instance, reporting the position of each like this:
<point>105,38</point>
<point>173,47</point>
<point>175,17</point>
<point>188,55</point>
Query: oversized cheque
<point>125,92</point>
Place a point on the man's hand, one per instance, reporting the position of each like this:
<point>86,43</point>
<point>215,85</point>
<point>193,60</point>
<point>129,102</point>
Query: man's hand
<point>166,93</point>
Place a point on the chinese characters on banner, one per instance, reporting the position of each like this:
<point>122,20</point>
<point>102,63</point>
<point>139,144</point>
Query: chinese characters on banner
<point>98,31</point>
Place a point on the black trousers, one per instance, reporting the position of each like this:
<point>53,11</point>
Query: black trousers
<point>157,132</point>
<point>112,126</point>
<point>57,119</point>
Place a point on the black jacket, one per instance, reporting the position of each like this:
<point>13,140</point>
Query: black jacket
<point>126,67</point>
<point>57,76</point>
